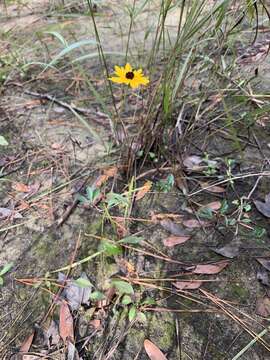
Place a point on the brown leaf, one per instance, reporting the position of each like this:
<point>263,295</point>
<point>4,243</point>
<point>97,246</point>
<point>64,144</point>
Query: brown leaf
<point>263,306</point>
<point>230,250</point>
<point>172,227</point>
<point>263,207</point>
<point>264,262</point>
<point>175,240</point>
<point>188,285</point>
<point>65,322</point>
<point>212,188</point>
<point>111,172</point>
<point>153,351</point>
<point>26,345</point>
<point>194,223</point>
<point>215,205</point>
<point>20,187</point>
<point>144,190</point>
<point>209,269</point>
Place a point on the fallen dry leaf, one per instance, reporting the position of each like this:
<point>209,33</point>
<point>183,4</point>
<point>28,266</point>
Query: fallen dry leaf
<point>263,207</point>
<point>194,223</point>
<point>209,269</point>
<point>263,306</point>
<point>111,172</point>
<point>66,329</point>
<point>153,351</point>
<point>188,285</point>
<point>143,190</point>
<point>175,240</point>
<point>212,188</point>
<point>230,250</point>
<point>75,294</point>
<point>265,262</point>
<point>20,187</point>
<point>172,227</point>
<point>215,205</point>
<point>192,162</point>
<point>26,345</point>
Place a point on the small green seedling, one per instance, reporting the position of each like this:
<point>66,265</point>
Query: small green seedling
<point>4,270</point>
<point>92,194</point>
<point>166,185</point>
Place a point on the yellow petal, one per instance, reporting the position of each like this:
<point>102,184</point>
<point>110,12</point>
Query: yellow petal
<point>134,83</point>
<point>118,80</point>
<point>128,67</point>
<point>120,71</point>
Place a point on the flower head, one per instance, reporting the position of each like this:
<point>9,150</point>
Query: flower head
<point>126,75</point>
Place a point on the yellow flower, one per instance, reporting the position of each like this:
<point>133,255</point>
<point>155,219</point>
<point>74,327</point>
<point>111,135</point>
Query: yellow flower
<point>126,75</point>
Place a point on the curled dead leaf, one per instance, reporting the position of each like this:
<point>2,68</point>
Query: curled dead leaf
<point>188,285</point>
<point>144,190</point>
<point>175,240</point>
<point>108,173</point>
<point>153,351</point>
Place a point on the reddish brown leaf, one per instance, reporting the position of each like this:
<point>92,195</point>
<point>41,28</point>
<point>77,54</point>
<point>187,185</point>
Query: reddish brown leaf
<point>209,269</point>
<point>153,351</point>
<point>26,345</point>
<point>65,322</point>
<point>194,223</point>
<point>20,187</point>
<point>175,240</point>
<point>263,306</point>
<point>215,205</point>
<point>144,190</point>
<point>212,188</point>
<point>188,285</point>
<point>111,172</point>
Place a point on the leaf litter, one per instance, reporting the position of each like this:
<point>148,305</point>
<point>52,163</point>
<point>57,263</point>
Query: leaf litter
<point>153,352</point>
<point>263,207</point>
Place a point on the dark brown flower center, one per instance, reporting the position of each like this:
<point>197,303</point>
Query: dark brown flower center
<point>130,75</point>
